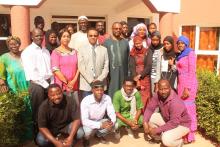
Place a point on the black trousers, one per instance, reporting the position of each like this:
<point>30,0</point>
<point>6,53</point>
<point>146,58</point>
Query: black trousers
<point>37,95</point>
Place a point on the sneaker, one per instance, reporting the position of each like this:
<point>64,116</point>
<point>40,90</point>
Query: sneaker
<point>85,143</point>
<point>117,134</point>
<point>130,133</point>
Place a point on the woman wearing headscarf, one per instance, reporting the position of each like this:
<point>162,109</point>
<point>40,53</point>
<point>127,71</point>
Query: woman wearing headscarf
<point>12,78</point>
<point>141,31</point>
<point>168,67</point>
<point>157,49</point>
<point>140,63</point>
<point>187,82</point>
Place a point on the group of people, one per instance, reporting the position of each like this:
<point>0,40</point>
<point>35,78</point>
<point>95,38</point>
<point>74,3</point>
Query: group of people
<point>91,82</point>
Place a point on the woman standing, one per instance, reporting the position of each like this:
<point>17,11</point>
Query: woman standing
<point>187,82</point>
<point>64,65</point>
<point>51,40</point>
<point>12,78</point>
<point>157,50</point>
<point>140,68</point>
<point>168,67</point>
<point>141,31</point>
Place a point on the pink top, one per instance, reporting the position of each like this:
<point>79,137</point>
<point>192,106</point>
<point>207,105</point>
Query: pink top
<point>67,64</point>
<point>186,67</point>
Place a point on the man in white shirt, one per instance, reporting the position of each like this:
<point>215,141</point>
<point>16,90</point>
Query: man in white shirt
<point>93,109</point>
<point>36,63</point>
<point>80,37</point>
<point>93,63</point>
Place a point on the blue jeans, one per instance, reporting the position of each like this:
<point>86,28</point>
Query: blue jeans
<point>99,132</point>
<point>43,142</point>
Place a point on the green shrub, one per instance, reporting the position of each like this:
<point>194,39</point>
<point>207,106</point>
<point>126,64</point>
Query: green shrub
<point>11,124</point>
<point>208,103</point>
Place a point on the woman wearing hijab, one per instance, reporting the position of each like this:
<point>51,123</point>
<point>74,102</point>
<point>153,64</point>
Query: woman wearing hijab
<point>141,31</point>
<point>187,82</point>
<point>140,63</point>
<point>157,50</point>
<point>168,67</point>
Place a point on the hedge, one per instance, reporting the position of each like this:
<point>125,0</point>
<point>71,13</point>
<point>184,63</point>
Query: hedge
<point>11,125</point>
<point>208,104</point>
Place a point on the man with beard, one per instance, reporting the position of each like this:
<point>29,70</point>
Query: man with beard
<point>118,52</point>
<point>37,68</point>
<point>58,120</point>
<point>173,121</point>
<point>101,30</point>
<point>80,37</point>
<point>124,33</point>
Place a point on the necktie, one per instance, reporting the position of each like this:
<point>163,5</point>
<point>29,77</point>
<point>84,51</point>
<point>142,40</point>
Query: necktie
<point>94,61</point>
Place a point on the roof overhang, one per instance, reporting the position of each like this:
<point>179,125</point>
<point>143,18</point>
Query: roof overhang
<point>20,2</point>
<point>171,6</point>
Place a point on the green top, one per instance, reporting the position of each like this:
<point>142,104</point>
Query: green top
<point>12,72</point>
<point>122,106</point>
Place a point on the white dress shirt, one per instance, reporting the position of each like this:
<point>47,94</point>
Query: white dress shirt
<point>92,111</point>
<point>36,63</point>
<point>78,39</point>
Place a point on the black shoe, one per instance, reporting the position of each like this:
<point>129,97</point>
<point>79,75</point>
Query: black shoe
<point>85,143</point>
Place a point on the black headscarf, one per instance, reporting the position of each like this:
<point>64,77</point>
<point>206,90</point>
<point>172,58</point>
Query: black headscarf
<point>50,46</point>
<point>160,45</point>
<point>170,53</point>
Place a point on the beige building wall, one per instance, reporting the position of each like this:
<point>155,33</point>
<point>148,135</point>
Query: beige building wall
<point>197,12</point>
<point>116,10</point>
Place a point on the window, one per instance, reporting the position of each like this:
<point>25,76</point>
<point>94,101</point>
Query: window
<point>205,41</point>
<point>4,31</point>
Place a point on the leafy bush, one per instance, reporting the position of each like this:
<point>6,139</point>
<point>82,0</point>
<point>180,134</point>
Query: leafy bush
<point>11,125</point>
<point>208,103</point>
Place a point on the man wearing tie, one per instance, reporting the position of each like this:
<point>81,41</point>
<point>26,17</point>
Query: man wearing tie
<point>93,63</point>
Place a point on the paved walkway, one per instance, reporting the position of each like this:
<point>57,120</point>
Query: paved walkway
<point>127,141</point>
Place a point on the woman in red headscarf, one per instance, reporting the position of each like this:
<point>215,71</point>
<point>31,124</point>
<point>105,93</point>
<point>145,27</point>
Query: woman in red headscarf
<point>140,65</point>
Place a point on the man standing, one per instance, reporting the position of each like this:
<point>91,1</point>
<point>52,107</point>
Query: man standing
<point>80,37</point>
<point>93,109</point>
<point>128,105</point>
<point>36,63</point>
<point>101,30</point>
<point>124,33</point>
<point>118,52</point>
<point>58,120</point>
<point>173,121</point>
<point>39,23</point>
<point>93,63</point>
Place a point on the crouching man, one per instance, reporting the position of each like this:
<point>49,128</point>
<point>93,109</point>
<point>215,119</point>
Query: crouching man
<point>94,108</point>
<point>173,121</point>
<point>128,105</point>
<point>58,120</point>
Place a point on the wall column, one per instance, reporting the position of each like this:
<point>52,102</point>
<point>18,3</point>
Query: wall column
<point>166,24</point>
<point>20,24</point>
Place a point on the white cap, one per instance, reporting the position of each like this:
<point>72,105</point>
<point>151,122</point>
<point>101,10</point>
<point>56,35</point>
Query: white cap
<point>82,17</point>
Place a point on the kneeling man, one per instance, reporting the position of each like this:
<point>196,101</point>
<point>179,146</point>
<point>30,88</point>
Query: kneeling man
<point>128,105</point>
<point>58,120</point>
<point>94,108</point>
<point>173,121</point>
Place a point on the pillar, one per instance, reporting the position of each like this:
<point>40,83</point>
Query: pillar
<point>20,24</point>
<point>166,24</point>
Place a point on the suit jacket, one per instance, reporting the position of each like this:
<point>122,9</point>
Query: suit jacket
<point>85,65</point>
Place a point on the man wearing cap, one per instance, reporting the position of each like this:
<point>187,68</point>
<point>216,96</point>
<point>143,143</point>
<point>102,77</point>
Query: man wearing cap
<point>93,109</point>
<point>93,63</point>
<point>80,37</point>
